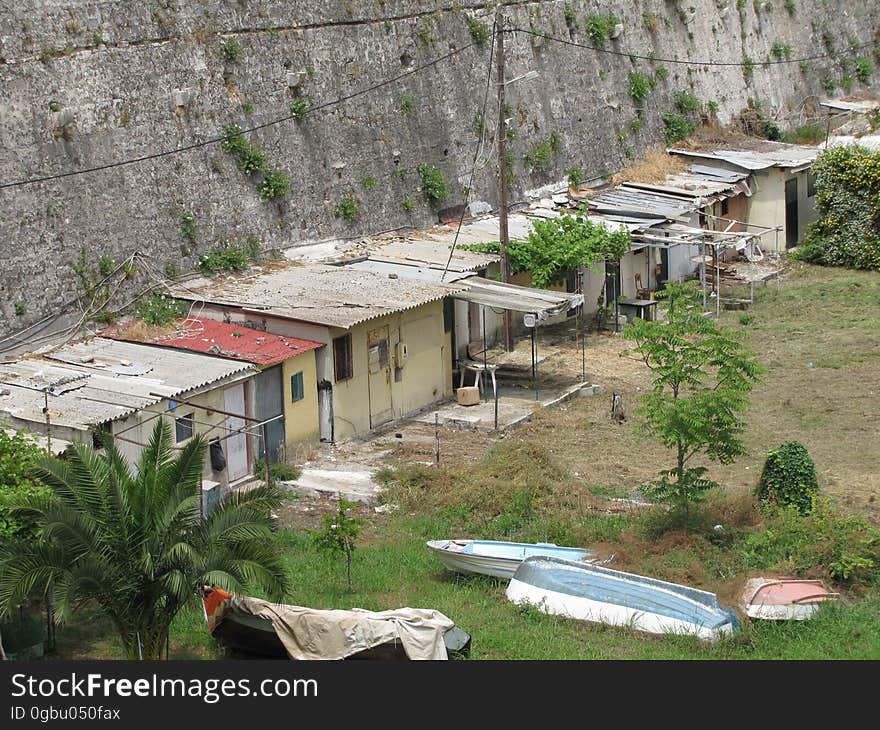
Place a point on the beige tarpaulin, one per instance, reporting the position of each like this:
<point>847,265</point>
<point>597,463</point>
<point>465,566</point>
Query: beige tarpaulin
<point>309,633</point>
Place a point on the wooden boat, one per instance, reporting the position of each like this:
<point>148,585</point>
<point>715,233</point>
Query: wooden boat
<point>498,559</point>
<point>253,628</point>
<point>593,593</point>
<point>782,599</point>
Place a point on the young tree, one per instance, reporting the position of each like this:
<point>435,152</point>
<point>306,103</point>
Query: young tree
<point>702,378</point>
<point>134,544</point>
<point>558,245</point>
<point>339,534</point>
<point>18,454</point>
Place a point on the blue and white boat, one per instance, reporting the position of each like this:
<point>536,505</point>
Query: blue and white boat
<point>498,559</point>
<point>592,593</point>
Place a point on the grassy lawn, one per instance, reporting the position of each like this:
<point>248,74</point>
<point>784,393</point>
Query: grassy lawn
<point>560,478</point>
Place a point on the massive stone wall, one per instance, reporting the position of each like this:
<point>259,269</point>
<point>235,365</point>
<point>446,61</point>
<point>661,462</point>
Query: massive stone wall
<point>87,83</point>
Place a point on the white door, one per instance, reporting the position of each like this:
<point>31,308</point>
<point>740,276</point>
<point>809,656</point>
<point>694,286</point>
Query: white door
<point>235,446</point>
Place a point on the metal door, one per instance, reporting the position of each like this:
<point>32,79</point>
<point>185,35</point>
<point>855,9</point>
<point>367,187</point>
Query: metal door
<point>235,446</point>
<point>791,212</point>
<point>270,404</point>
<point>379,376</point>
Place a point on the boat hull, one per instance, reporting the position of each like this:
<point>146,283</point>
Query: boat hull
<point>784,599</point>
<point>496,559</point>
<point>592,593</point>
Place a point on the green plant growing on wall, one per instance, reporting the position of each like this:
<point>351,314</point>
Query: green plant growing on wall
<point>789,478</point>
<point>600,27</point>
<point>748,67</point>
<point>478,30</point>
<point>639,86</point>
<point>299,107</point>
<point>570,16</point>
<point>368,182</point>
<point>159,309</point>
<point>791,6</point>
<point>846,83</point>
<point>170,271</point>
<point>348,209</point>
<point>231,50</point>
<point>702,376</point>
<point>423,33</point>
<point>188,227</point>
<point>227,256</point>
<point>780,51</point>
<point>434,186</point>
<point>541,153</point>
<point>660,73</point>
<point>20,307</point>
<point>575,177</point>
<point>408,204</point>
<point>275,184</point>
<point>863,68</point>
<point>407,103</point>
<point>340,534</point>
<point>685,102</point>
<point>556,246</point>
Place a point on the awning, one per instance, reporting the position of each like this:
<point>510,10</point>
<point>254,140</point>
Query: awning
<point>541,302</point>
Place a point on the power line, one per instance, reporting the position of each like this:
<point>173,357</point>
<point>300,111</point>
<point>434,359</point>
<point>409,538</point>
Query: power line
<point>477,152</point>
<point>215,140</point>
<point>655,59</point>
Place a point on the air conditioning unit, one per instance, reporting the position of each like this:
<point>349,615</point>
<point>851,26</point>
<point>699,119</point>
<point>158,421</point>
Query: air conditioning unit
<point>400,354</point>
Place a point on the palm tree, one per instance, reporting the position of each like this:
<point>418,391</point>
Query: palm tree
<point>135,544</point>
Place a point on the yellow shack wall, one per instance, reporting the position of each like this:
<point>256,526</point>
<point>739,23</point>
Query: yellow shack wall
<point>300,417</point>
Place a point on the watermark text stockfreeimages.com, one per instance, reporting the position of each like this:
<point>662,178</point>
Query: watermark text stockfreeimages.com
<point>208,690</point>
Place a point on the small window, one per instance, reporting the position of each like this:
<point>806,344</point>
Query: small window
<point>296,387</point>
<point>725,207</point>
<point>342,365</point>
<point>811,184</point>
<point>183,427</point>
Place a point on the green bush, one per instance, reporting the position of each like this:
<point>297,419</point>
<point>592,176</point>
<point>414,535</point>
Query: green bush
<point>479,32</point>
<point>847,232</point>
<point>347,209</point>
<point>843,547</point>
<point>158,309</point>
<point>18,454</point>
<point>600,27</point>
<point>639,86</point>
<point>278,472</point>
<point>789,478</point>
<point>676,127</point>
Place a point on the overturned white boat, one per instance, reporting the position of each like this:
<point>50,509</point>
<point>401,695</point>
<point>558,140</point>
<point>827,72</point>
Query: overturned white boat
<point>495,558</point>
<point>593,593</point>
<point>784,599</point>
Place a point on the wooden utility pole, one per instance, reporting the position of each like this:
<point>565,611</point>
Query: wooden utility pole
<point>502,175</point>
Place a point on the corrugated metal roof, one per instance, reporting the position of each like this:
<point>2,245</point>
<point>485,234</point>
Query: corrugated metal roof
<point>637,203</point>
<point>413,273</point>
<point>489,292</point>
<point>763,155</point>
<point>434,254</point>
<point>101,380</point>
<point>333,296</point>
<point>233,341</point>
<point>859,105</point>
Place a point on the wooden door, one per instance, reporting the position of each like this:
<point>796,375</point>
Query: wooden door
<point>235,446</point>
<point>379,376</point>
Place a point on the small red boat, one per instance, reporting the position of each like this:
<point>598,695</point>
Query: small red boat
<point>782,599</point>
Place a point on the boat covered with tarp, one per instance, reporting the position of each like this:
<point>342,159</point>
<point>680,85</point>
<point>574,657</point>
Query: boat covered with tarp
<point>253,627</point>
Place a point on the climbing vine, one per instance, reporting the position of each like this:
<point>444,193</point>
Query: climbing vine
<point>558,245</point>
<point>251,159</point>
<point>847,232</point>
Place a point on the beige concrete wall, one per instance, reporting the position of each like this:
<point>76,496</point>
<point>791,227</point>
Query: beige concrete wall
<point>300,417</point>
<point>767,205</point>
<point>422,380</point>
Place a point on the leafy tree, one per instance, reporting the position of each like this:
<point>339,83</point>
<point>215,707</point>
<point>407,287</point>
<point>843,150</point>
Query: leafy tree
<point>339,534</point>
<point>18,453</point>
<point>789,478</point>
<point>557,245</point>
<point>134,544</point>
<point>702,378</point>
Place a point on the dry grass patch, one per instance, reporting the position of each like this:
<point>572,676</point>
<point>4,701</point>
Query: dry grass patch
<point>653,168</point>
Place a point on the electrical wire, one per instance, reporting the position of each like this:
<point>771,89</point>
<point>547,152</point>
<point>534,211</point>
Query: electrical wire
<point>655,59</point>
<point>264,125</point>
<point>476,153</point>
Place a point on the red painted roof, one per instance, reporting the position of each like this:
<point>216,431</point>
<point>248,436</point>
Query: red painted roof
<point>225,340</point>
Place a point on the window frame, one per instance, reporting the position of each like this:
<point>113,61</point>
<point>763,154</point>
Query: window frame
<point>343,343</point>
<point>297,380</point>
<point>190,417</point>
